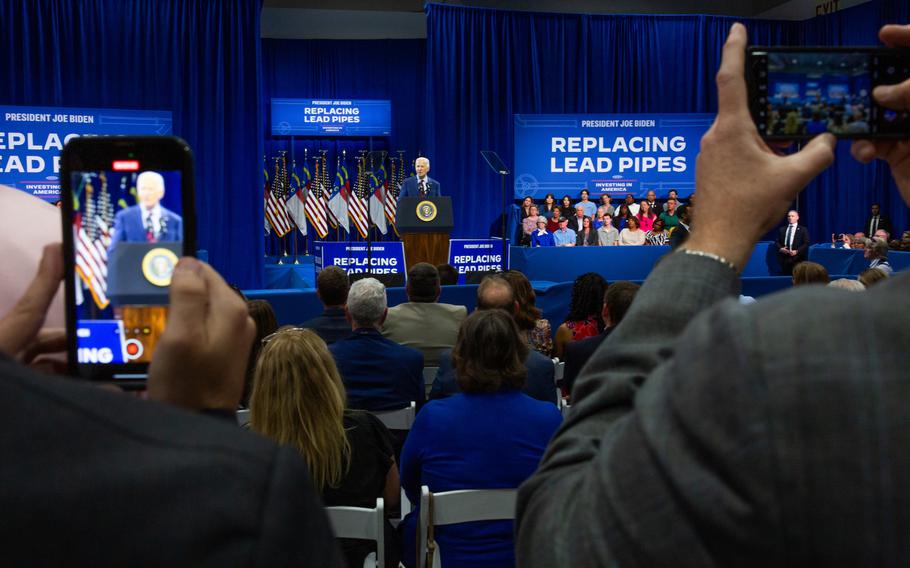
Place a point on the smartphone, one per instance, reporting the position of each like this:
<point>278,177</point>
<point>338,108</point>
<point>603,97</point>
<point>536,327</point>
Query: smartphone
<point>799,92</point>
<point>128,216</point>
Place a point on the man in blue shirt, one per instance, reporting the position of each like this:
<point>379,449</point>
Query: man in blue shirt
<point>564,236</point>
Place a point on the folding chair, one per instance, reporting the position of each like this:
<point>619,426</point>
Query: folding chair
<point>397,419</point>
<point>367,524</point>
<point>243,417</point>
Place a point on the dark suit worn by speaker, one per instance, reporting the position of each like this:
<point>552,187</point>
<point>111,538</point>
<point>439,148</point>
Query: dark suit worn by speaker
<point>331,325</point>
<point>539,383</point>
<point>129,226</point>
<point>410,188</point>
<point>800,245</point>
<point>94,478</point>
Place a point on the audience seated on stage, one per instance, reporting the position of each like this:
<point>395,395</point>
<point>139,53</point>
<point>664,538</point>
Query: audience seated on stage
<point>576,223</point>
<point>588,207</point>
<point>549,204</point>
<point>492,436</point>
<point>670,215</point>
<point>622,217</point>
<point>632,206</point>
<point>540,237</point>
<point>526,205</point>
<point>266,324</point>
<point>528,317</point>
<point>422,322</point>
<point>653,206</point>
<point>564,236</point>
<point>553,220</point>
<point>332,287</point>
<point>605,203</point>
<point>877,254</point>
<point>584,311</point>
<point>905,241</point>
<point>528,225</point>
<point>681,232</point>
<point>299,400</point>
<point>871,277</point>
<point>646,216</point>
<point>448,274</point>
<point>846,241</point>
<point>496,293</point>
<point>378,373</point>
<point>632,234</point>
<point>672,194</point>
<point>616,302</point>
<point>847,284</point>
<point>807,272</point>
<point>607,235</point>
<point>657,236</point>
<point>156,483</point>
<point>598,220</point>
<point>565,205</point>
<point>587,236</point>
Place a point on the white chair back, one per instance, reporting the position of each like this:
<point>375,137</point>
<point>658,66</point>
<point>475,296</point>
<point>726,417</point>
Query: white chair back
<point>397,419</point>
<point>367,524</point>
<point>461,506</point>
<point>560,369</point>
<point>243,417</point>
<point>429,375</point>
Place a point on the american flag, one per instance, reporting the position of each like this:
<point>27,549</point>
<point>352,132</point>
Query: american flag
<point>316,207</point>
<point>391,196</point>
<point>357,209</point>
<point>275,210</point>
<point>91,232</point>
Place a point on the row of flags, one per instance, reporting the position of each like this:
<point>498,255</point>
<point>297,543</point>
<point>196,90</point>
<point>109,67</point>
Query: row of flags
<point>294,201</point>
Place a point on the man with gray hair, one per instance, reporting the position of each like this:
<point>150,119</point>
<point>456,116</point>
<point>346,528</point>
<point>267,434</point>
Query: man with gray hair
<point>877,253</point>
<point>378,373</point>
<point>420,185</point>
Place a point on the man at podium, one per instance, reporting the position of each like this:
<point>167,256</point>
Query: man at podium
<point>147,221</point>
<point>420,185</point>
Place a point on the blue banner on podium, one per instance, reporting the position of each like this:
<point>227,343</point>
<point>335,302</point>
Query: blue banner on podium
<point>331,117</point>
<point>100,341</point>
<point>476,255</point>
<point>615,154</point>
<point>31,139</point>
<point>385,257</point>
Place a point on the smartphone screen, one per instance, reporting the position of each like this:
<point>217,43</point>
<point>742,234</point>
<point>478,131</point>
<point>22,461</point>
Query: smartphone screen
<point>798,93</point>
<point>127,219</point>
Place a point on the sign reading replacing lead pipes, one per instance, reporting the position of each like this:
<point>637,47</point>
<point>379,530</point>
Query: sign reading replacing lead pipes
<point>331,117</point>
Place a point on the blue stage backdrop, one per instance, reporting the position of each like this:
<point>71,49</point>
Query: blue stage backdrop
<point>199,60</point>
<point>614,154</point>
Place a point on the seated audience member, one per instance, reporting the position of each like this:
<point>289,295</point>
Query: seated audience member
<point>605,202</point>
<point>653,206</point>
<point>632,206</point>
<point>448,274</point>
<point>549,204</point>
<point>540,237</point>
<point>905,241</point>
<point>859,241</point>
<point>553,221</point>
<point>871,276</point>
<point>622,217</point>
<point>657,236</point>
<point>670,215</point>
<point>847,241</point>
<point>423,322</point>
<point>708,433</point>
<point>607,235</point>
<point>681,232</point>
<point>263,316</point>
<point>587,236</point>
<point>565,205</point>
<point>672,194</point>
<point>882,234</point>
<point>83,461</point>
<point>564,236</point>
<point>528,225</point>
<point>496,293</point>
<point>847,284</point>
<point>528,317</point>
<point>378,373</point>
<point>332,287</point>
<point>877,254</point>
<point>526,205</point>
<point>876,221</point>
<point>632,234</point>
<point>298,400</point>
<point>576,223</point>
<point>584,311</point>
<point>492,436</point>
<point>617,299</point>
<point>598,221</point>
<point>589,207</point>
<point>807,272</point>
<point>645,216</point>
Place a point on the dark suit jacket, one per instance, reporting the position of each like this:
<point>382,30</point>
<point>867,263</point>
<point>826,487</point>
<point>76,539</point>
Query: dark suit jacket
<point>592,238</point>
<point>800,244</point>
<point>708,433</point>
<point>330,326</point>
<point>883,223</point>
<point>93,478</point>
<point>409,187</point>
<point>577,354</point>
<point>574,223</point>
<point>539,384</point>
<point>129,226</point>
<point>378,373</point>
<point>679,235</point>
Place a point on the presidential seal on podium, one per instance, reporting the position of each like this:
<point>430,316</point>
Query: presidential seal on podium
<point>426,211</point>
<point>158,266</point>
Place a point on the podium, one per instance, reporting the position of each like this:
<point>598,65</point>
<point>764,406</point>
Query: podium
<point>425,224</point>
<point>140,273</point>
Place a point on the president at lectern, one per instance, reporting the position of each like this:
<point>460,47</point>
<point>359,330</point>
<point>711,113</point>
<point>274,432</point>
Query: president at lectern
<point>420,185</point>
<point>147,221</point>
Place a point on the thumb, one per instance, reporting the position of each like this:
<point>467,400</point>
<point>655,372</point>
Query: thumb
<point>812,160</point>
<point>189,299</point>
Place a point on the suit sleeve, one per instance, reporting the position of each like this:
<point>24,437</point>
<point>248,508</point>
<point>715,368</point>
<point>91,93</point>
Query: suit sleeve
<point>804,244</point>
<point>635,459</point>
<point>779,243</point>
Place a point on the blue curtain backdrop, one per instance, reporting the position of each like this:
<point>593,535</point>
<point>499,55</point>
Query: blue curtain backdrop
<point>485,65</point>
<point>200,60</point>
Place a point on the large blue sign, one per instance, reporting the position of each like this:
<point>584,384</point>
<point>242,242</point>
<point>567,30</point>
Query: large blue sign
<point>331,117</point>
<point>385,257</point>
<point>616,154</point>
<point>101,341</point>
<point>476,255</point>
<point>31,139</point>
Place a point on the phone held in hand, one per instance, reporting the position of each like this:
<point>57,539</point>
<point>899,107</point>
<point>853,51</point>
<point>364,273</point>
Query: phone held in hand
<point>128,216</point>
<point>796,93</point>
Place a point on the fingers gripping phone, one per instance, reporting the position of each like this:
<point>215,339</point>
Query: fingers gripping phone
<point>128,216</point>
<point>799,92</point>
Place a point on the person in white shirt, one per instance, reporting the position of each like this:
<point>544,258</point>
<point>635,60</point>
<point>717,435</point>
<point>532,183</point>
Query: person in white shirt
<point>632,234</point>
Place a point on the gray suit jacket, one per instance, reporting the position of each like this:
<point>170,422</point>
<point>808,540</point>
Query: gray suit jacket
<point>428,327</point>
<point>708,433</point>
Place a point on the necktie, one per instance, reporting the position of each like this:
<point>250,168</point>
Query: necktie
<point>789,240</point>
<point>422,188</point>
<point>149,229</point>
<point>874,225</point>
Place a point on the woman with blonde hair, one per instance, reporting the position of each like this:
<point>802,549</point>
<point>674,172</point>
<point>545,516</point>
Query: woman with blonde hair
<point>298,399</point>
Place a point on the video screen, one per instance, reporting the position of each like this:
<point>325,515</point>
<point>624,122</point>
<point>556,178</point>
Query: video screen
<point>128,236</point>
<point>810,93</point>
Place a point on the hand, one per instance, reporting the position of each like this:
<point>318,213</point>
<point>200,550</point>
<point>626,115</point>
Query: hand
<point>897,97</point>
<point>21,336</point>
<point>735,165</point>
<point>201,358</point>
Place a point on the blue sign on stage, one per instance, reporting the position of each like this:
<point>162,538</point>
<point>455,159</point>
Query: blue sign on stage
<point>476,255</point>
<point>616,154</point>
<point>331,117</point>
<point>31,139</point>
<point>100,341</point>
<point>385,257</point>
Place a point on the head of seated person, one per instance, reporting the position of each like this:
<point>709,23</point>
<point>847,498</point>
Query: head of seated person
<point>495,293</point>
<point>332,287</point>
<point>266,324</point>
<point>876,248</point>
<point>847,284</point>
<point>872,276</point>
<point>528,313</point>
<point>448,274</point>
<point>489,353</point>
<point>423,283</point>
<point>367,305</point>
<point>809,273</point>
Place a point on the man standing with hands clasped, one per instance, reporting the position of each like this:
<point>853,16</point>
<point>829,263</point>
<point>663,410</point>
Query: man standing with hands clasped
<point>792,243</point>
<point>707,433</point>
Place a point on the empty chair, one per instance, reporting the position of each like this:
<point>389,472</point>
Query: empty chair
<point>365,524</point>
